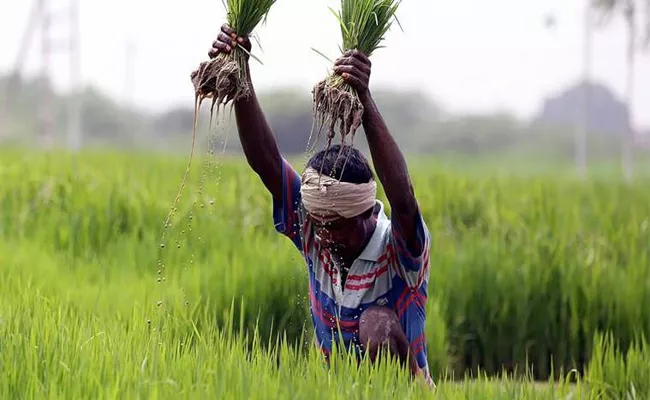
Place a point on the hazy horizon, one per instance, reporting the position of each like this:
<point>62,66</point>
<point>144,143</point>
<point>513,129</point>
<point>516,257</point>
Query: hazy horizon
<point>467,55</point>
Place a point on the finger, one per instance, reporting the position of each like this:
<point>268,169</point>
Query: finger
<point>353,71</point>
<point>225,28</point>
<point>230,36</point>
<point>223,38</point>
<point>244,42</point>
<point>360,56</point>
<point>365,68</point>
<point>225,43</point>
<point>354,81</point>
<point>357,56</point>
<point>219,47</point>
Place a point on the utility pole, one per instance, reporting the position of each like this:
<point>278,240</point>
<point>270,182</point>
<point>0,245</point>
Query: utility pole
<point>44,17</point>
<point>46,116</point>
<point>14,78</point>
<point>629,135</point>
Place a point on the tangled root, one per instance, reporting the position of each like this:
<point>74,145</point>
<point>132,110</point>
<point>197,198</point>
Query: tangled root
<point>220,79</point>
<point>336,103</point>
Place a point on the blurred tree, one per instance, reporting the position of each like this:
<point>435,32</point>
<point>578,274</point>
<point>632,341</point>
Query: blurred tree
<point>605,113</point>
<point>629,10</point>
<point>419,124</point>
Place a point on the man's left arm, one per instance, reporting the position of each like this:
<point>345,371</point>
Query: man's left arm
<point>389,163</point>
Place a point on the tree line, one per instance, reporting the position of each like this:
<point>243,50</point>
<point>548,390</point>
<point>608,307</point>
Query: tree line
<point>420,125</point>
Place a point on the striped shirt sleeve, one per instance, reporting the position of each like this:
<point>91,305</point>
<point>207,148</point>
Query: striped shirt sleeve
<point>412,264</point>
<point>286,209</point>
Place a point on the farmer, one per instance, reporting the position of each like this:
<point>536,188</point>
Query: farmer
<point>368,273</point>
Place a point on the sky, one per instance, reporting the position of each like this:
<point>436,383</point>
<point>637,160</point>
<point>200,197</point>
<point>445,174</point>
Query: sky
<point>468,55</point>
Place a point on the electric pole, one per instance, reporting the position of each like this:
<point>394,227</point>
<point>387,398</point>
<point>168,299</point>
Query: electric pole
<point>43,17</point>
<point>46,130</point>
<point>627,152</point>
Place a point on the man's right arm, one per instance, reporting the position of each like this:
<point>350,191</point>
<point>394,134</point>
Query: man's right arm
<point>261,149</point>
<point>258,143</point>
<point>264,157</point>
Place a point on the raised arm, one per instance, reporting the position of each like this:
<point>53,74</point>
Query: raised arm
<point>387,158</point>
<point>258,143</point>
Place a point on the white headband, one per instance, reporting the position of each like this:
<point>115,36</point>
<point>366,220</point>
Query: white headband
<point>329,198</point>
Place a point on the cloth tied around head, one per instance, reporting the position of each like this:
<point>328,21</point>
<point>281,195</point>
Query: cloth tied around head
<point>327,198</point>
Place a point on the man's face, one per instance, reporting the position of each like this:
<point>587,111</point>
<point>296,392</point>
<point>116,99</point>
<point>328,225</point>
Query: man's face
<point>343,236</point>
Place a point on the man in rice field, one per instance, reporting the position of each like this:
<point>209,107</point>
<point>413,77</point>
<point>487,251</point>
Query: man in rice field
<point>368,273</point>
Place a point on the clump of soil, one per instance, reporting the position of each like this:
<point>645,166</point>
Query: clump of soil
<point>220,79</point>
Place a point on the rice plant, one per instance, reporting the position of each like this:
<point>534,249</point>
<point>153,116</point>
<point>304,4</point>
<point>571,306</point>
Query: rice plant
<point>225,77</point>
<point>526,272</point>
<point>363,24</point>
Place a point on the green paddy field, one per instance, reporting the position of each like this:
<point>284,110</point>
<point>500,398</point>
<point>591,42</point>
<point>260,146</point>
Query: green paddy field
<point>539,286</point>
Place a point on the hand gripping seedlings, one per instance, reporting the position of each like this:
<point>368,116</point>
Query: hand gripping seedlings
<point>363,24</point>
<point>224,78</point>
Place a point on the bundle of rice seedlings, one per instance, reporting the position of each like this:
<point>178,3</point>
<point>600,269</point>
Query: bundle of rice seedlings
<point>224,78</point>
<point>364,24</point>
